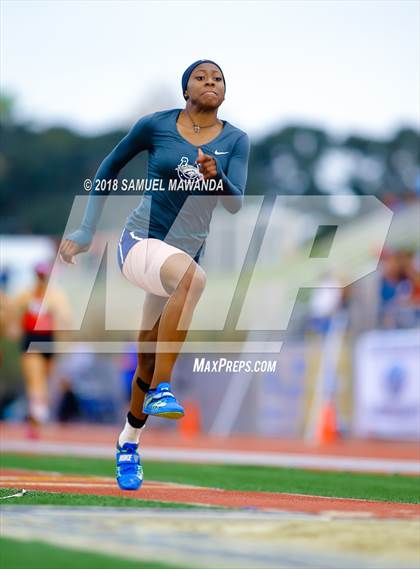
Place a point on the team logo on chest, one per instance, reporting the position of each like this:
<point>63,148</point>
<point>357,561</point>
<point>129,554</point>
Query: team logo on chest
<point>188,171</point>
<point>191,179</point>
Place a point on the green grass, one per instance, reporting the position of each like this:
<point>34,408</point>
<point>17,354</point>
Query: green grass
<point>16,554</point>
<point>38,498</point>
<point>392,488</point>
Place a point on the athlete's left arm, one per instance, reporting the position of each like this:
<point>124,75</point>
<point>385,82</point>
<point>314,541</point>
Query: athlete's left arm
<point>234,180</point>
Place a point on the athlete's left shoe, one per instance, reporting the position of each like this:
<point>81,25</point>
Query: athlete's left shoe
<point>129,469</point>
<point>161,402</point>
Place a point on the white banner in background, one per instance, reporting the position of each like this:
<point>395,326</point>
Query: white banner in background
<point>387,385</point>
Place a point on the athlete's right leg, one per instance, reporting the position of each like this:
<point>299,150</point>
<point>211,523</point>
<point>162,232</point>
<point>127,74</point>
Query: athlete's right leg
<point>152,310</point>
<point>129,469</point>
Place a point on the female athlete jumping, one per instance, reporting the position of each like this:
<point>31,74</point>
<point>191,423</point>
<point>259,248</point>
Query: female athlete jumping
<point>163,238</point>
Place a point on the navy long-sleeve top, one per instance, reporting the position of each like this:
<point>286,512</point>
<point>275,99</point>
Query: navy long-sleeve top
<point>165,212</point>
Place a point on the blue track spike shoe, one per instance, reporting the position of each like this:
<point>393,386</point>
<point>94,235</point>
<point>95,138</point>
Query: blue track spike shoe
<point>160,402</point>
<point>129,469</point>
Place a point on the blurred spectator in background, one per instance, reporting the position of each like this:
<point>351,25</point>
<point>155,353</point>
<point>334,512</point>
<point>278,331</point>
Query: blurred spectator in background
<point>86,386</point>
<point>68,408</point>
<point>399,290</point>
<point>325,302</point>
<point>4,302</point>
<point>410,265</point>
<point>33,318</point>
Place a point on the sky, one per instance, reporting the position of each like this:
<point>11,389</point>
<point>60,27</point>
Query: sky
<point>343,65</point>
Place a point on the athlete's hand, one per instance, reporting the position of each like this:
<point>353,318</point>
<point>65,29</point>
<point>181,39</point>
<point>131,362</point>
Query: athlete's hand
<point>207,165</point>
<point>69,249</point>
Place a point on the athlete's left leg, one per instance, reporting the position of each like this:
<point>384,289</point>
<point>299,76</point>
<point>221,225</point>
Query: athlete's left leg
<point>184,279</point>
<point>170,273</point>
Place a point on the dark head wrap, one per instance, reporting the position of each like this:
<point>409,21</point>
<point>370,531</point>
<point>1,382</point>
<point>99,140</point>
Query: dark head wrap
<point>190,69</point>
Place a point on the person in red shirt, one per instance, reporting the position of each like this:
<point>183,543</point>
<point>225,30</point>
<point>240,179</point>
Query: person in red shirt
<point>34,318</point>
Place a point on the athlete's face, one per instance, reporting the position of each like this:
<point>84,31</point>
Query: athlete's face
<point>206,87</point>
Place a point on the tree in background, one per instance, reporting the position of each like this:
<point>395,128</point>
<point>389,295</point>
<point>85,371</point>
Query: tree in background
<point>42,170</point>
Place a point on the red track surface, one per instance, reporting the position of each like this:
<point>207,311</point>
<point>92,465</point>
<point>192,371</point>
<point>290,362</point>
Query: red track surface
<point>162,492</point>
<point>88,434</point>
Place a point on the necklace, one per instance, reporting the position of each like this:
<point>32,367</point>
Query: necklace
<point>197,127</point>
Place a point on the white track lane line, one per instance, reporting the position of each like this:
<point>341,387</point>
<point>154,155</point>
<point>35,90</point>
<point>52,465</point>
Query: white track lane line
<point>320,462</point>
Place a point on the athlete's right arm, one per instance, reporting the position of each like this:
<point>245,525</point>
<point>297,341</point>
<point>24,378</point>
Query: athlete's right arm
<point>138,139</point>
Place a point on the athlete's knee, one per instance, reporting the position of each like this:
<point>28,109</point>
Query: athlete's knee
<point>180,273</point>
<point>194,281</point>
<point>199,280</point>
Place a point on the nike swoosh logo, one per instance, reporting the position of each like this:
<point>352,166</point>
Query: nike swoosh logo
<point>159,404</point>
<point>135,236</point>
<point>217,152</point>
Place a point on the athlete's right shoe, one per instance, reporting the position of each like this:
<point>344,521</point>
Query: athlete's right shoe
<point>129,469</point>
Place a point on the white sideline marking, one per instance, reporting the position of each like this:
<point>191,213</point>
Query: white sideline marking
<point>17,495</point>
<point>111,485</point>
<point>60,484</point>
<point>353,464</point>
<point>107,483</point>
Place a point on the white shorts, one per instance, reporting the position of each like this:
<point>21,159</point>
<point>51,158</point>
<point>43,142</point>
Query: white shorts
<point>142,262</point>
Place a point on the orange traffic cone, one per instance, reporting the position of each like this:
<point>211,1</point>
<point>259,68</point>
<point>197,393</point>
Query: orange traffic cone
<point>190,424</point>
<point>326,430</point>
